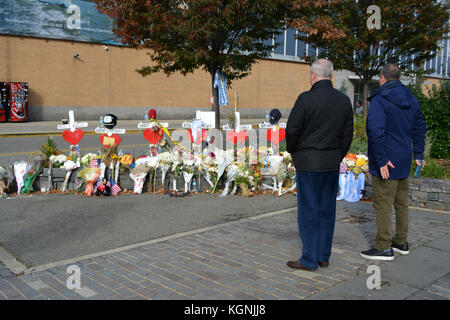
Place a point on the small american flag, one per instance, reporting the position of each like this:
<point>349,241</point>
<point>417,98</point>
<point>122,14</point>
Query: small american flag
<point>99,182</point>
<point>94,163</point>
<point>115,189</point>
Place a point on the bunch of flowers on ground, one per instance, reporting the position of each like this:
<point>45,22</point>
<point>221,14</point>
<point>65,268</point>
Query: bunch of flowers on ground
<point>354,163</point>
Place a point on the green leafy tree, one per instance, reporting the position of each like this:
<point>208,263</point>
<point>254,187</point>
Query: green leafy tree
<point>436,111</point>
<point>409,33</point>
<point>185,35</point>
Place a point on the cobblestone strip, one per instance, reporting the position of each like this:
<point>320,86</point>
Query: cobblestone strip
<point>242,260</point>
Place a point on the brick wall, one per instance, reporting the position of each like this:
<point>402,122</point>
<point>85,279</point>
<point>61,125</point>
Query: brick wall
<point>107,78</point>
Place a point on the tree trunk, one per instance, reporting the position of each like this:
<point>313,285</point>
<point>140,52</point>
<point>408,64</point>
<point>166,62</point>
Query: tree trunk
<point>365,95</point>
<point>215,105</point>
<point>419,76</point>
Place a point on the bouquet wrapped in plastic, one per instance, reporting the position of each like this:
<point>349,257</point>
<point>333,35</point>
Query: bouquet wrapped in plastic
<point>69,166</point>
<point>20,170</point>
<point>90,176</point>
<point>138,175</point>
<point>224,159</point>
<point>34,169</point>
<point>232,172</point>
<point>188,170</point>
<point>6,176</point>
<point>165,162</point>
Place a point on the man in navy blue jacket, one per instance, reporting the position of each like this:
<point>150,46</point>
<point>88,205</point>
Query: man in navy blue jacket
<point>396,131</point>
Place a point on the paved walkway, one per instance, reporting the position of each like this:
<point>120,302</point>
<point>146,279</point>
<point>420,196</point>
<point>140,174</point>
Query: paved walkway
<point>246,260</point>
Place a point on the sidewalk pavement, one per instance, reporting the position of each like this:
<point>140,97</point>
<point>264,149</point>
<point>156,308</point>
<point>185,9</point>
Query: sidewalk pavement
<point>49,127</point>
<point>246,260</point>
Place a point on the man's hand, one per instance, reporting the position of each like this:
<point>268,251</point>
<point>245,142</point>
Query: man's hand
<point>385,170</point>
<point>424,163</point>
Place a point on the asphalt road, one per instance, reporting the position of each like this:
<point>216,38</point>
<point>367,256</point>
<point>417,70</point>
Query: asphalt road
<point>19,148</point>
<point>42,229</point>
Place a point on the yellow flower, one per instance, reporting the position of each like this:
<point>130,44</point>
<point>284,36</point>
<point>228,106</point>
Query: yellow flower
<point>361,162</point>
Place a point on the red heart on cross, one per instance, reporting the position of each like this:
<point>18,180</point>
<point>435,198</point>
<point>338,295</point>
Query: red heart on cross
<point>275,136</point>
<point>73,137</point>
<point>200,138</point>
<point>153,136</point>
<point>110,141</point>
<point>237,137</point>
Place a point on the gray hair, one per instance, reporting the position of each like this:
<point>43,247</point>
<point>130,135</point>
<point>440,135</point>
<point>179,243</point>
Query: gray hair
<point>323,68</point>
<point>391,72</point>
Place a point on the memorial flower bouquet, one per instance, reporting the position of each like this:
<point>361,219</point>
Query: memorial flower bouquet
<point>6,176</point>
<point>231,174</point>
<point>58,160</point>
<point>242,155</point>
<point>224,159</point>
<point>209,167</point>
<point>244,179</point>
<point>352,177</point>
<point>90,176</point>
<point>87,158</point>
<point>354,163</point>
<point>286,174</point>
<point>253,155</point>
<point>188,169</point>
<point>165,163</point>
<point>177,167</point>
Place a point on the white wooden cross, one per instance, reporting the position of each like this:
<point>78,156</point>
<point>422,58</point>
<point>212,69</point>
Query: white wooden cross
<point>204,125</point>
<point>265,125</point>
<point>237,127</point>
<point>188,125</point>
<point>149,124</point>
<point>109,133</point>
<point>72,126</point>
<point>207,117</point>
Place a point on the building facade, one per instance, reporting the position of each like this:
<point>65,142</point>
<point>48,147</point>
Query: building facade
<point>67,53</point>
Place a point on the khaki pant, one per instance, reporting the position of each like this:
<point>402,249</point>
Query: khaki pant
<point>388,193</point>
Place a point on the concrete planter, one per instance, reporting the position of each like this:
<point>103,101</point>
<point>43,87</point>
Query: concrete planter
<point>125,181</point>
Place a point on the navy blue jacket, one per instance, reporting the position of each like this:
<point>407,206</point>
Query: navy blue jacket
<point>396,130</point>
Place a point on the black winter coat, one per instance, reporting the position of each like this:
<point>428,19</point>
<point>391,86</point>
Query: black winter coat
<point>320,128</point>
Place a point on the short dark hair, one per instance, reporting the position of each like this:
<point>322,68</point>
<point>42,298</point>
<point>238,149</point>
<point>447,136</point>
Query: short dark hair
<point>391,72</point>
<point>359,102</point>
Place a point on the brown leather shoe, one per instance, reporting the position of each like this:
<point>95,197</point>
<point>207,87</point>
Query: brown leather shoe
<point>297,265</point>
<point>323,264</point>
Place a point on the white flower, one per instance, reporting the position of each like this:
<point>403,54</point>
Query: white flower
<point>350,163</point>
<point>70,165</point>
<point>165,157</point>
<point>61,158</point>
<point>287,156</point>
<point>58,159</point>
<point>148,161</point>
<point>86,159</point>
<point>209,161</point>
<point>361,156</point>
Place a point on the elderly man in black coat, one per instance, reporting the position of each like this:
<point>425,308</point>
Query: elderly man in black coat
<point>318,135</point>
